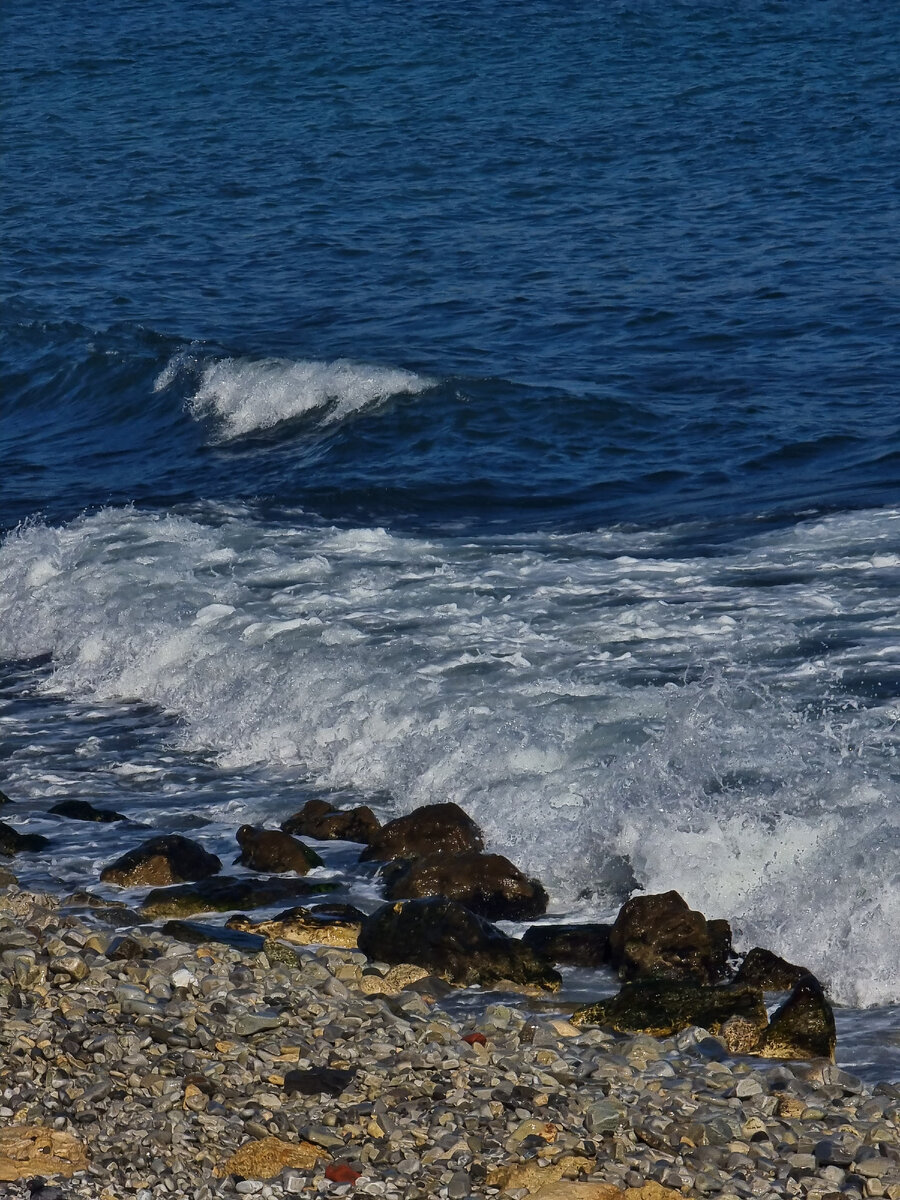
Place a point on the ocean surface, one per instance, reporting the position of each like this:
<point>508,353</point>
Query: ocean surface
<point>496,403</point>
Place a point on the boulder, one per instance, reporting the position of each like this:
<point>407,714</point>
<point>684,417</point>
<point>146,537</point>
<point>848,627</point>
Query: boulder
<point>273,851</point>
<point>12,842</point>
<point>571,945</point>
<point>319,819</point>
<point>321,925</point>
<point>432,829</point>
<point>268,1157</point>
<point>659,937</point>
<point>803,1027</point>
<point>487,884</point>
<point>160,861</point>
<point>453,943</point>
<point>82,810</point>
<point>27,1151</point>
<point>228,894</point>
<point>663,1007</point>
<point>766,970</point>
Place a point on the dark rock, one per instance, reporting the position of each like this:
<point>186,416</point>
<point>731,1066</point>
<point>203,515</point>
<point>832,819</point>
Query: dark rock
<point>273,851</point>
<point>160,861</point>
<point>12,842</point>
<point>195,933</point>
<point>433,829</point>
<point>4,799</point>
<point>320,1081</point>
<point>803,1027</point>
<point>487,884</point>
<point>721,946</point>
<point>7,879</point>
<point>766,970</point>
<point>572,945</point>
<point>659,937</point>
<point>662,1008</point>
<point>318,819</point>
<point>125,949</point>
<point>81,810</point>
<point>228,894</point>
<point>452,942</point>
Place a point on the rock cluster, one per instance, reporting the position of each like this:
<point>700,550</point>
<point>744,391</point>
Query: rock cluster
<point>162,1068</point>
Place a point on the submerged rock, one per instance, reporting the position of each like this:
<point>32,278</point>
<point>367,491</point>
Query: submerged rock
<point>487,884</point>
<point>319,819</point>
<point>228,893</point>
<point>803,1027</point>
<point>453,943</point>
<point>662,1008</point>
<point>82,810</point>
<point>432,829</point>
<point>7,879</point>
<point>12,842</point>
<point>321,925</point>
<point>273,851</point>
<point>571,945</point>
<point>766,970</point>
<point>160,861</point>
<point>4,799</point>
<point>660,937</point>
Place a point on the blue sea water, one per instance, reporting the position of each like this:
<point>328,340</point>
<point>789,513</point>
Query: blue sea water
<point>493,402</point>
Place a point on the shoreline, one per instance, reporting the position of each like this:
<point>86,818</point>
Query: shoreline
<point>153,1062</point>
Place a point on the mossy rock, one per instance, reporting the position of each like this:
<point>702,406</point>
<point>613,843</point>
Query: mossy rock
<point>663,1008</point>
<point>228,894</point>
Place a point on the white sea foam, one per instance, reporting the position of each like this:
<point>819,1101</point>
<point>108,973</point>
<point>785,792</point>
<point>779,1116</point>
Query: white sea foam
<point>247,395</point>
<point>602,703</point>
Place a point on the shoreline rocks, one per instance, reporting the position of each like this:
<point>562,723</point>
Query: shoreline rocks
<point>160,861</point>
<point>487,884</point>
<point>273,851</point>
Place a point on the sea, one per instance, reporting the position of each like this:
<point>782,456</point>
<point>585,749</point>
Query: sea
<point>406,402</point>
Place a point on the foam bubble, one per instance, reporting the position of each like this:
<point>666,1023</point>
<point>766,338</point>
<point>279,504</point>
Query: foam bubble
<point>247,395</point>
<point>611,707</point>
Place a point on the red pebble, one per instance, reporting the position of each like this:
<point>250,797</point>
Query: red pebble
<point>341,1173</point>
<point>475,1039</point>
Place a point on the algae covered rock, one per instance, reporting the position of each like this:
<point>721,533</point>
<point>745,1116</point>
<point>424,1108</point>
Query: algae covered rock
<point>319,819</point>
<point>803,1027</point>
<point>487,884</point>
<point>450,941</point>
<point>160,861</point>
<point>273,851</point>
<point>766,970</point>
<point>573,945</point>
<point>229,893</point>
<point>12,842</point>
<point>662,1008</point>
<point>660,937</point>
<point>432,829</point>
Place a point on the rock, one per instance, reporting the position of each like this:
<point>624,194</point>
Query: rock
<point>432,829</point>
<point>305,926</point>
<point>763,969</point>
<point>273,851</point>
<point>803,1027</point>
<point>160,861</point>
<point>487,884</point>
<point>659,937</point>
<point>7,879</point>
<point>4,799</point>
<point>453,943</point>
<point>12,842</point>
<point>268,1157</point>
<point>605,1191</point>
<point>318,819</point>
<point>662,1008</point>
<point>319,1081</point>
<point>29,1150</point>
<point>81,810</point>
<point>572,945</point>
<point>531,1177</point>
<point>227,894</point>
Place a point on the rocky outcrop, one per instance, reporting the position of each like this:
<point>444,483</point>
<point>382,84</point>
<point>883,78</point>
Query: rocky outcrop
<point>570,945</point>
<point>662,1008</point>
<point>487,884</point>
<point>433,829</point>
<point>227,893</point>
<point>450,941</point>
<point>272,851</point>
<point>82,810</point>
<point>161,861</point>
<point>12,842</point>
<point>803,1027</point>
<point>660,937</point>
<point>766,970</point>
<point>321,925</point>
<point>319,819</point>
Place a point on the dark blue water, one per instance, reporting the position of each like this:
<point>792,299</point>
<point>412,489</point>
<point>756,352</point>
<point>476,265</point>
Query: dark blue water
<point>493,402</point>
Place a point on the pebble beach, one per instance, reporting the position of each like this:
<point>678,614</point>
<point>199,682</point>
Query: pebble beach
<point>137,1065</point>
